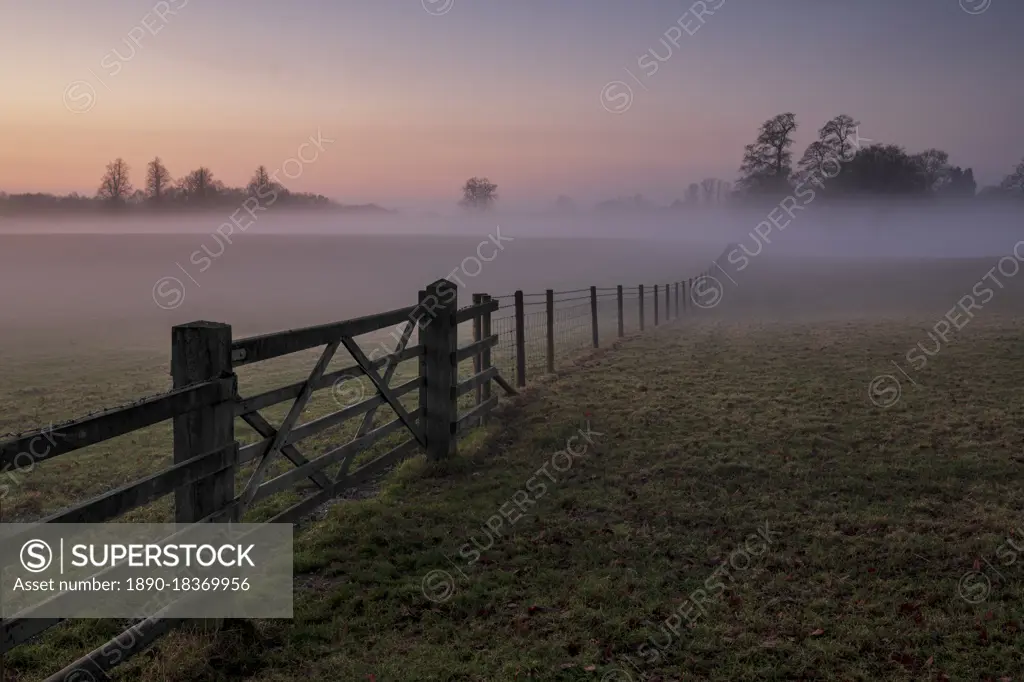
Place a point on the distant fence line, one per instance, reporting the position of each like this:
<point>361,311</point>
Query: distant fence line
<point>204,404</point>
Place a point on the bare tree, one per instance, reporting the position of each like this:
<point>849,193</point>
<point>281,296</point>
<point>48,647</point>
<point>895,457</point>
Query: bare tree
<point>479,193</point>
<point>766,162</point>
<point>158,180</point>
<point>1014,182</point>
<point>260,181</point>
<point>199,186</point>
<point>815,158</point>
<point>116,185</point>
<point>934,167</point>
<point>836,134</point>
<point>832,148</point>
<point>714,190</point>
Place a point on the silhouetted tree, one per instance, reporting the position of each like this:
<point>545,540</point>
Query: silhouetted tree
<point>158,181</point>
<point>836,134</point>
<point>885,169</point>
<point>479,193</point>
<point>1013,183</point>
<point>116,185</point>
<point>260,182</point>
<point>766,162</point>
<point>199,186</point>
<point>826,156</point>
<point>958,183</point>
<point>813,162</point>
<point>933,164</point>
<point>714,191</point>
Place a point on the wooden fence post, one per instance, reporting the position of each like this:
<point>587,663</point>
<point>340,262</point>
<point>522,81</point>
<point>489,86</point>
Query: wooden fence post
<point>520,341</point>
<point>439,338</point>
<point>677,300</point>
<point>478,358</point>
<point>201,351</point>
<point>622,329</point>
<point>593,313</point>
<point>485,329</point>
<point>656,305</point>
<point>668,303</point>
<point>641,307</point>
<point>689,291</point>
<point>549,297</point>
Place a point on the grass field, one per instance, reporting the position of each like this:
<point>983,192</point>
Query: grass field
<point>884,527</point>
<point>752,505</point>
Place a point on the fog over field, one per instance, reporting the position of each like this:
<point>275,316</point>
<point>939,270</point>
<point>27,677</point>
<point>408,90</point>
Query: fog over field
<point>131,279</point>
<point>744,403</point>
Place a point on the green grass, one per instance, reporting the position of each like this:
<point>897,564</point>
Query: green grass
<point>53,388</point>
<point>709,433</point>
<point>37,392</point>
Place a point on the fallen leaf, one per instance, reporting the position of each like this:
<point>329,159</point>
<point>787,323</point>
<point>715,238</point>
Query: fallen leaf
<point>817,632</point>
<point>590,668</point>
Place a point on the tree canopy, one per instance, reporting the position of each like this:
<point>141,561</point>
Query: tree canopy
<point>479,194</point>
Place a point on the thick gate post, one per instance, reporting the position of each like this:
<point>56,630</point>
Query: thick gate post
<point>438,334</point>
<point>201,351</point>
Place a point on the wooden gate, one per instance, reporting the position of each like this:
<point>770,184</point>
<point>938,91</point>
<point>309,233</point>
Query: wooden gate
<point>205,403</point>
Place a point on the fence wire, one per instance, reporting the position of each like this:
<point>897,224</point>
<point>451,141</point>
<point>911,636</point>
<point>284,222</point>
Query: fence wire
<point>573,324</point>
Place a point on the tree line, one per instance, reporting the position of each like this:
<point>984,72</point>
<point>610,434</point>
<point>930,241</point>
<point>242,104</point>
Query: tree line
<point>836,163</point>
<point>840,163</point>
<point>198,189</point>
<point>840,166</point>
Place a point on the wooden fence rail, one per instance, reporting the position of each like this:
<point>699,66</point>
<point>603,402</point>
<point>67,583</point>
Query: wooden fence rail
<point>204,405</point>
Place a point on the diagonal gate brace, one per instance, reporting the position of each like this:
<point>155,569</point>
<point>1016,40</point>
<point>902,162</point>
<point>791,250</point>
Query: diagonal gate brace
<point>367,422</point>
<point>287,425</point>
<point>266,430</point>
<point>356,352</point>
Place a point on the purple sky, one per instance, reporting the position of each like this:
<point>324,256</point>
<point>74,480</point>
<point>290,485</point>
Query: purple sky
<point>418,96</point>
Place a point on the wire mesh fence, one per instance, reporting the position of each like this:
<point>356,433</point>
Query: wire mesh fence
<point>557,326</point>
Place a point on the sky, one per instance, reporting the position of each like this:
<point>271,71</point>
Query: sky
<point>409,98</point>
